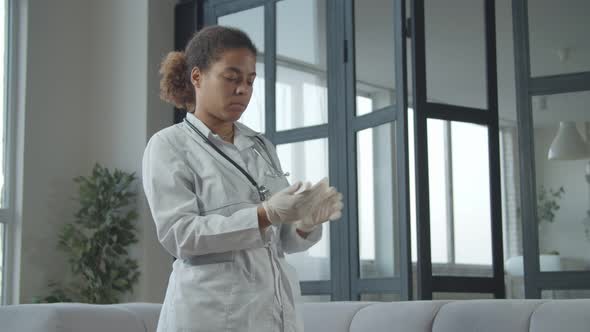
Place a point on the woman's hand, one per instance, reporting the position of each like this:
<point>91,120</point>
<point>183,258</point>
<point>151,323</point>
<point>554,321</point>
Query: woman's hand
<point>285,206</point>
<point>297,202</point>
<point>328,208</point>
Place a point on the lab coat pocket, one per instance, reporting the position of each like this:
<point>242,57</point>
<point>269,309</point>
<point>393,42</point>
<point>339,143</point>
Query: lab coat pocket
<point>243,269</point>
<point>252,292</point>
<point>202,295</point>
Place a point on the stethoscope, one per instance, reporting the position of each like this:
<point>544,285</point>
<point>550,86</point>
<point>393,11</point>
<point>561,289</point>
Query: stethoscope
<point>263,191</point>
<point>276,172</point>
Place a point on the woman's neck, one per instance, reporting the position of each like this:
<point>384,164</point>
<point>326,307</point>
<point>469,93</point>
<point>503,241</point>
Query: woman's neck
<point>223,129</point>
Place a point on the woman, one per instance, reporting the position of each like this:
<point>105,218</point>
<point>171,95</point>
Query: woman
<point>220,200</point>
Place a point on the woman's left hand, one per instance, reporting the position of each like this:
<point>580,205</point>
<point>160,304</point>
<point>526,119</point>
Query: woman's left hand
<point>328,208</point>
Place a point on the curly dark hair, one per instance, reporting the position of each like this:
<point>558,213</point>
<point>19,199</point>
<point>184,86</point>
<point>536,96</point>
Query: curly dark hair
<point>204,48</point>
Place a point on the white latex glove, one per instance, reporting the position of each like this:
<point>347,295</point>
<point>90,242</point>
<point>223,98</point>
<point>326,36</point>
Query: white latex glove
<point>328,207</point>
<point>293,203</point>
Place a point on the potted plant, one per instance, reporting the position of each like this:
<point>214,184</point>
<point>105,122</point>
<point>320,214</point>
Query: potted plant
<point>547,203</point>
<point>97,241</point>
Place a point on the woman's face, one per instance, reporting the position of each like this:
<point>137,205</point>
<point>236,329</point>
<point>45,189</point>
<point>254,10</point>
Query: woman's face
<point>224,90</point>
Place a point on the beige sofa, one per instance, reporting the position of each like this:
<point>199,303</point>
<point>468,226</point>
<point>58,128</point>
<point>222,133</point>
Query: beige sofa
<point>416,316</point>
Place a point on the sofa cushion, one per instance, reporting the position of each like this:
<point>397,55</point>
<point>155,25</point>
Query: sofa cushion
<point>562,315</point>
<point>68,317</point>
<point>397,316</point>
<point>485,315</point>
<point>331,316</point>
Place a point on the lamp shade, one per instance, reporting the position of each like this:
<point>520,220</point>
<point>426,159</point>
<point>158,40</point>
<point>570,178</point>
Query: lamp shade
<point>568,143</point>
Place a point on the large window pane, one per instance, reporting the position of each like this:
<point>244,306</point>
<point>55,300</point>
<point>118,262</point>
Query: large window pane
<point>376,201</point>
<point>253,117</point>
<point>374,52</point>
<point>301,87</point>
<point>455,52</point>
<point>437,178</point>
<point>561,125</point>
<point>471,194</point>
<point>471,198</point>
<point>305,161</point>
<point>308,161</point>
<point>459,198</point>
<point>251,21</point>
<point>558,34</point>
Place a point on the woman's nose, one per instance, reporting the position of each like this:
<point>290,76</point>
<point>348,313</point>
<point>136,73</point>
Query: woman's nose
<point>243,89</point>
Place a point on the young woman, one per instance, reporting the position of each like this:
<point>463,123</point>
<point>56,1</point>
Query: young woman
<point>220,200</point>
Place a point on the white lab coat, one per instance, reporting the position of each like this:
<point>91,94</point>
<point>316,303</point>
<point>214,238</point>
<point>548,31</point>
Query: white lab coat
<point>228,276</point>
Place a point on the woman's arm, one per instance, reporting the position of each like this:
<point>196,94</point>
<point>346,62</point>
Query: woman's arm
<point>182,230</point>
<point>292,239</point>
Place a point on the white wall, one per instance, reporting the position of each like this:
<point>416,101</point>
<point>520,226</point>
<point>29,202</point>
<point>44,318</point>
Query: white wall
<point>91,96</point>
<point>54,146</point>
<point>117,82</point>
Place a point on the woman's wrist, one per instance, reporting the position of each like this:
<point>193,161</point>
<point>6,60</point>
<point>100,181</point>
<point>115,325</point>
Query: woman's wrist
<point>301,233</point>
<point>263,221</point>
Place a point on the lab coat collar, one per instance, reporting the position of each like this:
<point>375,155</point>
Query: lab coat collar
<point>243,137</point>
<point>190,117</point>
<point>245,130</point>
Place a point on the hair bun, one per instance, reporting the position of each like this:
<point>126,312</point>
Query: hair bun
<point>175,86</point>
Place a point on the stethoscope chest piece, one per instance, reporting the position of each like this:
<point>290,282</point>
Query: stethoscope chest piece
<point>264,192</point>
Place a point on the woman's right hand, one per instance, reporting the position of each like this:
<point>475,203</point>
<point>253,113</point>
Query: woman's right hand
<point>295,202</point>
<point>284,206</point>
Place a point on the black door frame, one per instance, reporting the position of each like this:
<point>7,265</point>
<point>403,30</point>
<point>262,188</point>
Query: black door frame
<point>424,110</point>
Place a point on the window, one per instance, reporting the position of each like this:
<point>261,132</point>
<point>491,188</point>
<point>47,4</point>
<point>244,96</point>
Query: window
<point>459,197</point>
<point>309,58</point>
<point>298,85</point>
<point>252,22</point>
<point>308,161</point>
<point>376,201</point>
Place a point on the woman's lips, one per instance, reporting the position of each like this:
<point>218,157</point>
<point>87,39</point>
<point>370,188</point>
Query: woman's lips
<point>238,107</point>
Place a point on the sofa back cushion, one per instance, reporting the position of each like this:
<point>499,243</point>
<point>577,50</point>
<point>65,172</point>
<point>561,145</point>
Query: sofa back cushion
<point>485,316</point>
<point>68,317</point>
<point>331,316</point>
<point>414,316</point>
<point>562,315</point>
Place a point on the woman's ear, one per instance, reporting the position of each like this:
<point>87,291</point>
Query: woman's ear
<point>196,77</point>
